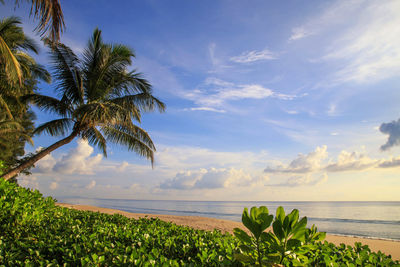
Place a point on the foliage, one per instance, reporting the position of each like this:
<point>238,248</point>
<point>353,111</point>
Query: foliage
<point>50,15</point>
<point>16,120</point>
<point>290,243</point>
<point>34,231</point>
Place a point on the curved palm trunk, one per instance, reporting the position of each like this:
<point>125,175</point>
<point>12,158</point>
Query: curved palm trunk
<point>11,173</point>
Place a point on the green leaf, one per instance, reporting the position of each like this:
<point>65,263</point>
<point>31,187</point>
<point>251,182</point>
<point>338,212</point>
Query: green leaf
<point>242,235</point>
<point>280,214</point>
<point>243,258</point>
<point>278,231</point>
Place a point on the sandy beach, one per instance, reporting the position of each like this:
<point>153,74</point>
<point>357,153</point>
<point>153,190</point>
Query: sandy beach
<point>386,246</point>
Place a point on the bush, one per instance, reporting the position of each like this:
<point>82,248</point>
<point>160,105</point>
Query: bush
<point>36,232</point>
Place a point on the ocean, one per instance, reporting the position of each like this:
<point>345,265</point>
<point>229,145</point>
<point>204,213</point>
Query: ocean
<point>379,220</point>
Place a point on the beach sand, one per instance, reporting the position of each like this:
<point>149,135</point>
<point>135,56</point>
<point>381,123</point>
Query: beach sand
<point>386,246</point>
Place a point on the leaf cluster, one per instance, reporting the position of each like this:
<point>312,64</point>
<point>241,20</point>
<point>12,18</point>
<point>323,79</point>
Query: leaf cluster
<point>36,232</point>
<point>291,243</point>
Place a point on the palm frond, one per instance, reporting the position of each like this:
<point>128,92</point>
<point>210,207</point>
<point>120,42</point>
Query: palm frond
<point>98,112</point>
<point>8,127</point>
<point>55,127</point>
<point>133,142</point>
<point>13,68</point>
<point>95,138</point>
<point>4,105</point>
<point>66,72</point>
<point>48,103</point>
<point>51,18</point>
<point>143,101</point>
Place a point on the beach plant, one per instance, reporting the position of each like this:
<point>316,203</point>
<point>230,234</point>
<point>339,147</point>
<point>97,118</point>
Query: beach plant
<point>99,100</point>
<point>34,231</point>
<point>287,242</point>
<point>253,248</point>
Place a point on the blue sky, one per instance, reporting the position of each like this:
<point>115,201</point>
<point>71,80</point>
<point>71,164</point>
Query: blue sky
<point>266,100</point>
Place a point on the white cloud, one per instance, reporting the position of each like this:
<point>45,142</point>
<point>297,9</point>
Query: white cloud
<point>123,166</point>
<point>91,185</point>
<point>53,185</point>
<point>212,178</point>
<point>29,181</point>
<point>207,109</point>
<point>78,160</point>
<point>299,33</point>
<point>390,163</point>
<point>393,130</point>
<point>215,93</point>
<point>351,161</point>
<point>252,56</point>
<point>46,164</point>
<point>314,162</point>
<point>303,163</point>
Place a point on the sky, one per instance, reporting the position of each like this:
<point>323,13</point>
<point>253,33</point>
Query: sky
<point>266,101</point>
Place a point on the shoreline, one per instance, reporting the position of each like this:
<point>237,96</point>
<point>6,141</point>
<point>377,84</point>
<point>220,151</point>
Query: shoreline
<point>389,247</point>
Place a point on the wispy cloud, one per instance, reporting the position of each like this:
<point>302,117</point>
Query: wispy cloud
<point>254,55</point>
<point>206,109</point>
<point>304,180</point>
<point>365,39</point>
<point>371,48</point>
<point>299,33</point>
<point>215,92</point>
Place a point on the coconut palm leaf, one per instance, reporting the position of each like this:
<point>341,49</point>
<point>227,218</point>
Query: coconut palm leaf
<point>132,142</point>
<point>55,127</point>
<point>51,18</point>
<point>95,138</point>
<point>49,104</point>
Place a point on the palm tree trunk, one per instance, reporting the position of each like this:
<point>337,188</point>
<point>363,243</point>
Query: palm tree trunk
<point>11,173</point>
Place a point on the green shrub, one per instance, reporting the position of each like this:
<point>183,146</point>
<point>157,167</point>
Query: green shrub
<point>36,232</point>
<point>290,243</point>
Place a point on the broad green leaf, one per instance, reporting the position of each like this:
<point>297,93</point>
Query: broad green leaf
<point>280,214</point>
<point>242,235</point>
<point>248,222</point>
<point>278,231</point>
<point>266,220</point>
<point>293,217</point>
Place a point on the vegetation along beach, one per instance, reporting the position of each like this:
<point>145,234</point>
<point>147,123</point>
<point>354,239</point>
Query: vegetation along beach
<point>199,133</point>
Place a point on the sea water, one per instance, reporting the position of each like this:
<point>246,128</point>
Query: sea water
<point>362,219</point>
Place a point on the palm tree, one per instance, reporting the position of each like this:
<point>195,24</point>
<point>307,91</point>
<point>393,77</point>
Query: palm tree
<point>16,121</point>
<point>51,21</point>
<point>14,49</point>
<point>99,100</point>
